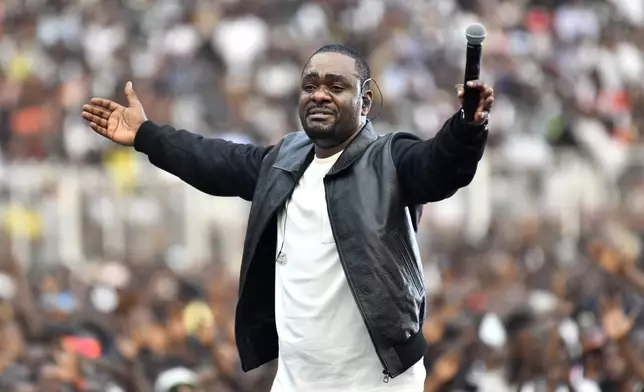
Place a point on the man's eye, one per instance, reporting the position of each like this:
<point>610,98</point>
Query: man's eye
<point>337,87</point>
<point>309,88</point>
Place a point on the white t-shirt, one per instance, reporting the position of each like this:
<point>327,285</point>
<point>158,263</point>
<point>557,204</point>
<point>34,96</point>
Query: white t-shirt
<point>324,345</point>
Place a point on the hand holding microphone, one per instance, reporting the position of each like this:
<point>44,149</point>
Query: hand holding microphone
<point>476,97</point>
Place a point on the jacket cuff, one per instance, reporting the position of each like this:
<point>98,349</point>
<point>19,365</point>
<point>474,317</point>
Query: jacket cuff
<point>468,133</point>
<point>148,131</point>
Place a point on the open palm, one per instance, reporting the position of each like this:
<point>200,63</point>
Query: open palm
<point>113,121</point>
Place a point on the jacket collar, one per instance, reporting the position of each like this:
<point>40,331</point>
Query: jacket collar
<point>355,149</point>
<point>297,152</point>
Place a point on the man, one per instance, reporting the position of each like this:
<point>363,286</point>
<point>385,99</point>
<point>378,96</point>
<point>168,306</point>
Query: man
<point>331,281</point>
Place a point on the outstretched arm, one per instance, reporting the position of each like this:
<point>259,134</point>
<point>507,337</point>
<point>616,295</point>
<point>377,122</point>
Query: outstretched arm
<point>435,169</point>
<point>214,166</point>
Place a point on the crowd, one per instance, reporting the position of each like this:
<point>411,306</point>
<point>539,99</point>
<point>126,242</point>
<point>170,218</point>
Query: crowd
<point>565,71</point>
<point>510,315</point>
<point>533,272</point>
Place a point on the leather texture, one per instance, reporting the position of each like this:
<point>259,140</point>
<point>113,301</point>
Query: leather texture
<point>374,231</point>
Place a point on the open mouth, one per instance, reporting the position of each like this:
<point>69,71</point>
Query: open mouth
<point>319,114</point>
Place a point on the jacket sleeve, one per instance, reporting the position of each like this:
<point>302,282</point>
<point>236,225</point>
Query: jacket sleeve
<point>215,166</point>
<point>434,169</point>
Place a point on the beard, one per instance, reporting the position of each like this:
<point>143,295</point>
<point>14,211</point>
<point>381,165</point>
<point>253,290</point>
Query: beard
<point>331,130</point>
<point>319,130</point>
<point>322,133</point>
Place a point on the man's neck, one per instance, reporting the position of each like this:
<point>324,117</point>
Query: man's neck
<point>322,152</point>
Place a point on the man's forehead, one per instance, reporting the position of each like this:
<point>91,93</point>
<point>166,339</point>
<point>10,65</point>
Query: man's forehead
<point>331,63</point>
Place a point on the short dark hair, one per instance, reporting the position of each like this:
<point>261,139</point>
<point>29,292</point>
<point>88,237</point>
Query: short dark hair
<point>362,67</point>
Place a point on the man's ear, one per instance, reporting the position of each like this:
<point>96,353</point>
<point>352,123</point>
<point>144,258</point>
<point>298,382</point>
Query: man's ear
<point>367,101</point>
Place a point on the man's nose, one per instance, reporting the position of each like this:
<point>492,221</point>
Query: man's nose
<point>320,95</point>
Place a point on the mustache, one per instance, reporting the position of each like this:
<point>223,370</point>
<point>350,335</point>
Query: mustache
<point>319,109</point>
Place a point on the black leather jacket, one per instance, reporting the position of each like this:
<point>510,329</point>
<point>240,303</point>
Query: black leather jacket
<point>374,192</point>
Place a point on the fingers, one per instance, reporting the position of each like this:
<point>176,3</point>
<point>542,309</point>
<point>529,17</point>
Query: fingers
<point>488,102</point>
<point>460,90</point>
<point>131,96</point>
<point>485,91</point>
<point>486,98</point>
<point>97,111</point>
<point>477,84</point>
<point>100,130</point>
<point>482,114</point>
<point>92,118</point>
<point>104,103</point>
<point>480,117</point>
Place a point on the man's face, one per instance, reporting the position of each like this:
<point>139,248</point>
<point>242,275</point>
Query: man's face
<point>330,104</point>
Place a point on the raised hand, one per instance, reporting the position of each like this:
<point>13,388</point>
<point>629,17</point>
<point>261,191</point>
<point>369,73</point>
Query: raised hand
<point>113,121</point>
<point>486,99</point>
<point>615,323</point>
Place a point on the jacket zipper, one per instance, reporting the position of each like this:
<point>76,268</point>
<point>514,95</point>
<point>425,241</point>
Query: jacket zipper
<point>385,372</point>
<point>279,205</point>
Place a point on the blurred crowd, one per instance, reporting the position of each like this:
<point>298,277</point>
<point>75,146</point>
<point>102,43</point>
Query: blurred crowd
<point>565,71</point>
<point>114,277</point>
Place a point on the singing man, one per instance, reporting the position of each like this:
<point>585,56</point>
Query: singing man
<point>331,282</point>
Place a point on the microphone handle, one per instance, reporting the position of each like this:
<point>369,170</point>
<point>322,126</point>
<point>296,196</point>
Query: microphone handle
<point>472,72</point>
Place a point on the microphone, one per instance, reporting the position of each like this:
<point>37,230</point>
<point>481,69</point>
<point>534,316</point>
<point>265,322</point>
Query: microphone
<point>475,34</point>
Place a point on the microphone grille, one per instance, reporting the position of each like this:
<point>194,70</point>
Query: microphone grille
<point>475,33</point>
